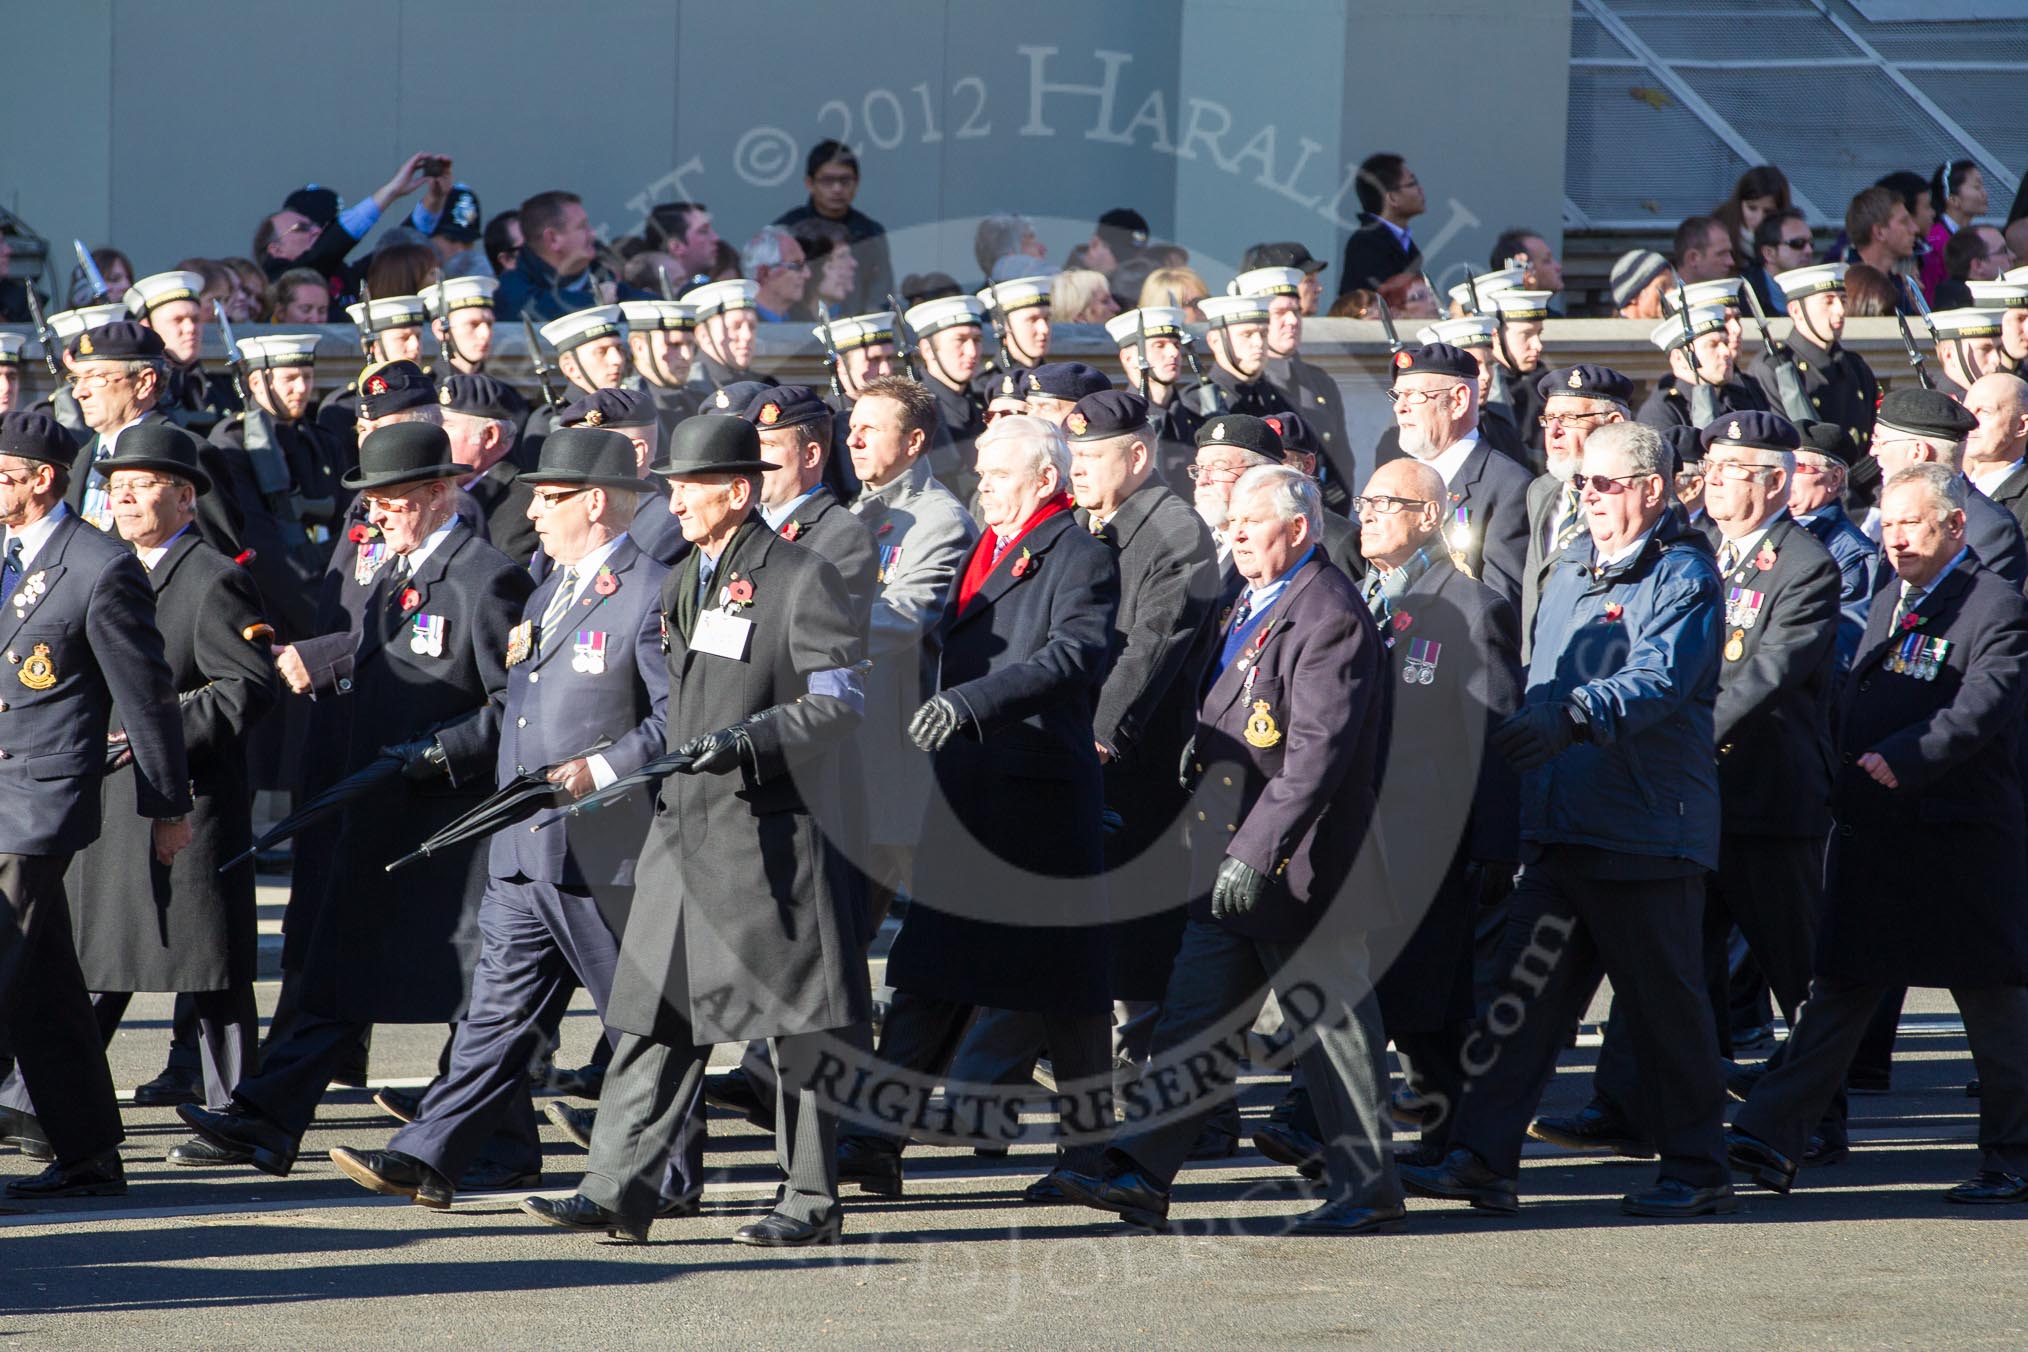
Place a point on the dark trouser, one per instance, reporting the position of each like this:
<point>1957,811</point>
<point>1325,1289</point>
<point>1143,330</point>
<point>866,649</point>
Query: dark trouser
<point>1769,886</point>
<point>1790,1098</point>
<point>289,1009</point>
<point>184,1054</point>
<point>922,1034</point>
<point>296,1071</point>
<point>1216,989</point>
<point>1875,1056</point>
<point>1569,929</point>
<point>539,943</point>
<point>46,1019</point>
<point>650,1096</point>
<point>227,1028</point>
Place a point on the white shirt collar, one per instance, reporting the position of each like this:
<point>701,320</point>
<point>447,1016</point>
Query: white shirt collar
<point>421,552</point>
<point>1747,545</point>
<point>152,557</point>
<point>34,537</point>
<point>588,566</point>
<point>1625,552</point>
<point>1988,480</point>
<point>112,443</point>
<point>1453,457</point>
<point>1942,573</point>
<point>775,516</point>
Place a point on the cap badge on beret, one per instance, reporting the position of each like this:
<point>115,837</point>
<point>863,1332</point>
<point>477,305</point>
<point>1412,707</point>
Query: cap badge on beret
<point>443,395</point>
<point>770,414</point>
<point>1403,360</point>
<point>594,418</point>
<point>1273,422</point>
<point>1077,423</point>
<point>84,345</point>
<point>723,400</point>
<point>1218,432</point>
<point>1733,430</point>
<point>376,385</point>
<point>1576,380</point>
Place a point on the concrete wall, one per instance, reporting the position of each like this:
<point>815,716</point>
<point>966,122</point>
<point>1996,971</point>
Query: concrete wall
<point>170,129</point>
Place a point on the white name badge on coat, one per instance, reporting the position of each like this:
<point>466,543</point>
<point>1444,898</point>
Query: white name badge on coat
<point>721,635</point>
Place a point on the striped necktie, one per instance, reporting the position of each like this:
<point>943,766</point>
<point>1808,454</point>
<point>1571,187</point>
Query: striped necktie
<point>553,614</point>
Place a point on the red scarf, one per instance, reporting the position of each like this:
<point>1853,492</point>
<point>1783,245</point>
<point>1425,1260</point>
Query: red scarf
<point>979,567</point>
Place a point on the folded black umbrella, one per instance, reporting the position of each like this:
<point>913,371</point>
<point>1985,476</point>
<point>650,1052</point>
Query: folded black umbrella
<point>523,796</point>
<point>380,770</point>
<point>653,772</point>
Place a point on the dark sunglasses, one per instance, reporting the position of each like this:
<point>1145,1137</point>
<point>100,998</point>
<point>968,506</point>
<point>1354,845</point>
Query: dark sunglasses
<point>1603,483</point>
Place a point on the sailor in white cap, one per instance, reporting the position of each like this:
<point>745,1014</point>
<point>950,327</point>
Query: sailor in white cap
<point>1236,336</point>
<point>171,303</point>
<point>1704,383</point>
<point>591,347</point>
<point>13,349</point>
<point>462,321</point>
<point>1718,291</point>
<point>1967,345</point>
<point>390,329</point>
<point>1837,382</point>
<point>1517,347</point>
<point>62,327</point>
<point>1309,389</point>
<point>1150,341</point>
<point>1476,296</point>
<point>662,339</point>
<point>1019,311</point>
<point>728,331</point>
<point>2009,295</point>
<point>948,334</point>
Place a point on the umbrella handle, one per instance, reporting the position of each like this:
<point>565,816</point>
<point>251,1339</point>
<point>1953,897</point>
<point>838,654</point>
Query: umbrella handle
<point>407,859</point>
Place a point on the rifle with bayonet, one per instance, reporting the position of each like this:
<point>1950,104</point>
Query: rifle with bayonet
<point>905,337</point>
<point>830,352</point>
<point>1210,394</point>
<point>1929,322</point>
<point>1394,343</point>
<point>998,319</point>
<point>1499,394</point>
<point>365,322</point>
<point>1914,352</point>
<point>1788,380</point>
<point>62,401</point>
<point>101,293</point>
<point>278,488</point>
<point>1703,398</point>
<point>538,365</point>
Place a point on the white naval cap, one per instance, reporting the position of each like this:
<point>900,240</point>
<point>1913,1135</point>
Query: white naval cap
<point>584,326</point>
<point>1464,331</point>
<point>644,315</point>
<point>1163,321</point>
<point>160,289</point>
<point>1672,333</point>
<point>2001,294</point>
<point>68,324</point>
<point>1966,322</point>
<point>389,312</point>
<point>1515,306</point>
<point>264,351</point>
<point>1797,283</point>
<point>1268,282</point>
<point>1019,293</point>
<point>738,293</point>
<point>946,312</point>
<point>1233,309</point>
<point>12,345</point>
<point>1488,285</point>
<point>860,330</point>
<point>1719,291</point>
<point>459,293</point>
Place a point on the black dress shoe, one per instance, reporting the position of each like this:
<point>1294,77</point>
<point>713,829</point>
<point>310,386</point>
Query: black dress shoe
<point>269,1149</point>
<point>393,1174</point>
<point>403,1105</point>
<point>1673,1199</point>
<point>1287,1145</point>
<point>874,1167</point>
<point>1593,1127</point>
<point>1869,1081</point>
<point>735,1093</point>
<point>1462,1177</point>
<point>1129,1194</point>
<point>1989,1187</point>
<point>586,1082</point>
<point>1426,1154</point>
<point>1740,1080</point>
<point>1759,1161</point>
<point>1046,1189</point>
<point>1822,1151</point>
<point>198,1153</point>
<point>492,1176</point>
<point>24,1132</point>
<point>776,1231</point>
<point>576,1123</point>
<point>1215,1142</point>
<point>681,1208</point>
<point>170,1088</point>
<point>577,1212</point>
<point>1342,1218</point>
<point>1410,1110</point>
<point>99,1176</point>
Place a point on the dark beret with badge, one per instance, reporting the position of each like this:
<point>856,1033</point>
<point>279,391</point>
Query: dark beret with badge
<point>1069,381</point>
<point>1296,434</point>
<point>1586,381</point>
<point>1283,254</point>
<point>785,406</point>
<point>616,407</point>
<point>161,447</point>
<point>29,434</point>
<point>393,386</point>
<point>1009,385</point>
<point>730,399</point>
<point>1928,415</point>
<point>404,453</point>
<point>1437,359</point>
<point>121,340</point>
<point>587,457</point>
<point>712,445</point>
<point>1828,438</point>
<point>1106,414</point>
<point>1244,431</point>
<point>1686,447</point>
<point>1752,430</point>
<point>477,395</point>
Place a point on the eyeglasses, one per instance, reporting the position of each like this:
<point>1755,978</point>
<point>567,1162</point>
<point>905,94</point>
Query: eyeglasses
<point>1417,398</point>
<point>1804,243</point>
<point>1604,483</point>
<point>551,499</point>
<point>380,504</point>
<point>835,180</point>
<point>1385,506</point>
<point>1550,420</point>
<point>15,478</point>
<point>1212,469</point>
<point>141,485</point>
<point>1735,470</point>
<point>993,414</point>
<point>96,380</point>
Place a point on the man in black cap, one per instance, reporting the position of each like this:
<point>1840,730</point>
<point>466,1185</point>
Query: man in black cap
<point>1773,722</point>
<point>1436,407</point>
<point>1574,400</point>
<point>314,229</point>
<point>1290,254</point>
<point>480,421</point>
<point>1817,501</point>
<point>635,416</point>
<point>117,371</point>
<point>460,226</point>
<point>1918,426</point>
<point>1119,237</point>
<point>1055,387</point>
<point>190,928</point>
<point>794,424</point>
<point>752,901</point>
<point>584,669</point>
<point>78,628</point>
<point>423,667</point>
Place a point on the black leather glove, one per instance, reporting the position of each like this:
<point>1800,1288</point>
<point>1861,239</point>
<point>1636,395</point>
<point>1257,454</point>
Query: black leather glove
<point>421,760</point>
<point>1186,768</point>
<point>716,753</point>
<point>1239,888</point>
<point>1536,735</point>
<point>935,722</point>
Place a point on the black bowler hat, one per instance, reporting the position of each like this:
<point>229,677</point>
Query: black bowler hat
<point>1755,430</point>
<point>590,457</point>
<point>615,407</point>
<point>708,445</point>
<point>477,394</point>
<point>404,453</point>
<point>121,340</point>
<point>1069,381</point>
<point>161,446</point>
<point>1109,413</point>
<point>1440,359</point>
<point>1243,430</point>
<point>785,406</point>
<point>393,386</point>
<point>1930,414</point>
<point>33,435</point>
<point>1586,381</point>
<point>1828,438</point>
<point>1282,254</point>
<point>730,399</point>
